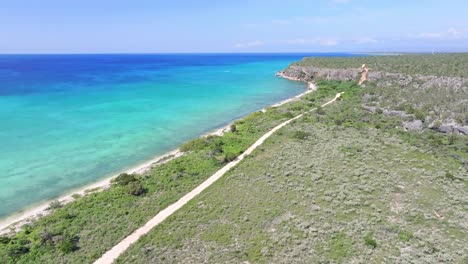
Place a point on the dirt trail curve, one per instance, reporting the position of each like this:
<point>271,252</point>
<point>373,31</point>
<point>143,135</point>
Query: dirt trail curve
<point>111,255</point>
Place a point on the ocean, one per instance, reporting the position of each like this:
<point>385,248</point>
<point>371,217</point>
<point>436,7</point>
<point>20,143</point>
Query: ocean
<point>70,120</point>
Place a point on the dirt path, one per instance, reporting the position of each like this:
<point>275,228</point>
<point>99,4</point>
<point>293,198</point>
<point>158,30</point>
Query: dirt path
<point>364,73</point>
<point>111,255</point>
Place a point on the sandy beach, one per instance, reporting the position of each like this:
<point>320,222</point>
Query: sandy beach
<point>15,221</point>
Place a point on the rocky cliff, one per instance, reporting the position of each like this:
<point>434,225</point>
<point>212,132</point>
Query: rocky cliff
<point>310,73</point>
<point>434,102</point>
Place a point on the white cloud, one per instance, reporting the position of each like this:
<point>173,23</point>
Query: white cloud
<point>365,40</point>
<point>295,41</point>
<point>255,43</point>
<point>312,41</point>
<point>451,33</point>
<point>327,42</point>
<point>431,35</point>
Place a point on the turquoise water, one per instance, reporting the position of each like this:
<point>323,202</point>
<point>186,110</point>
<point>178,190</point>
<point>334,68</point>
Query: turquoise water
<point>70,120</point>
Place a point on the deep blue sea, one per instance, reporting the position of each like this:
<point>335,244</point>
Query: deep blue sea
<point>70,120</point>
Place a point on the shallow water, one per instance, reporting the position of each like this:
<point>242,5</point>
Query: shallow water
<point>70,120</point>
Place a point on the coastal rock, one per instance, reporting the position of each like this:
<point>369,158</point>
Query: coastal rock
<point>463,130</point>
<point>452,128</point>
<point>371,109</point>
<point>394,113</point>
<point>445,128</point>
<point>313,73</point>
<point>415,125</point>
<point>424,84</point>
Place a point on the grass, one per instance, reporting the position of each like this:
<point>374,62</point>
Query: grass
<point>347,193</point>
<point>430,88</point>
<point>83,230</point>
<point>370,241</point>
<point>405,236</point>
<point>451,64</point>
<point>311,193</point>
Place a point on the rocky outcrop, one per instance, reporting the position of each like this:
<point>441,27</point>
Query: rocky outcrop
<point>308,74</point>
<point>451,127</point>
<point>415,125</point>
<point>422,86</point>
<point>311,73</point>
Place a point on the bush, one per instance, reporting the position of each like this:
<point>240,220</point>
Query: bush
<point>405,236</point>
<point>301,135</point>
<point>56,204</point>
<point>16,250</point>
<point>320,111</point>
<point>449,176</point>
<point>288,115</point>
<point>124,179</point>
<point>369,241</point>
<point>135,188</point>
<point>4,240</point>
<point>68,244</point>
<point>194,145</point>
<point>420,115</point>
<point>233,128</point>
<point>452,138</point>
<point>229,156</point>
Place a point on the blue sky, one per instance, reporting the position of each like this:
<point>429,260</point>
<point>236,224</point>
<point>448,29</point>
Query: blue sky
<point>155,26</point>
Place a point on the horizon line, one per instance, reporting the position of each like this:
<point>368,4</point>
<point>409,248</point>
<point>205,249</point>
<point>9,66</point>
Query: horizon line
<point>215,53</point>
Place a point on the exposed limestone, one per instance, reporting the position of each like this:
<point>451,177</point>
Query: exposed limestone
<point>299,73</point>
<point>415,125</point>
<point>422,84</point>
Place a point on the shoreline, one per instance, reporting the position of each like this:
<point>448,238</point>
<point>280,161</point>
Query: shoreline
<point>14,222</point>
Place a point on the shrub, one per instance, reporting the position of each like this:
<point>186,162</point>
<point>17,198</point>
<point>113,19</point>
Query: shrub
<point>320,111</point>
<point>369,241</point>
<point>339,121</point>
<point>405,235</point>
<point>124,179</point>
<point>194,145</point>
<point>301,135</point>
<point>288,115</point>
<point>233,128</point>
<point>56,204</point>
<point>420,115</point>
<point>449,176</point>
<point>229,156</point>
<point>16,250</point>
<point>135,188</point>
<point>68,244</point>
<point>409,109</point>
<point>47,238</point>
<point>452,138</point>
<point>4,240</point>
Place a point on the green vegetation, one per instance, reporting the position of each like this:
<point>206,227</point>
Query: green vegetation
<point>83,230</point>
<point>370,241</point>
<point>405,236</point>
<point>341,184</point>
<point>363,191</point>
<point>450,64</point>
<point>429,88</point>
<point>301,135</point>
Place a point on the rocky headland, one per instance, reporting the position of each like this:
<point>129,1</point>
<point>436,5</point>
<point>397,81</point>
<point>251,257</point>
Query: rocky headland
<point>423,102</point>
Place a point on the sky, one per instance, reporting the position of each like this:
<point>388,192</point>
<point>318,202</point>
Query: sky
<point>200,26</point>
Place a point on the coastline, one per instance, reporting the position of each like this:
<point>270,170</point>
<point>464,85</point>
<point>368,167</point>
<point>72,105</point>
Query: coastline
<point>29,215</point>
